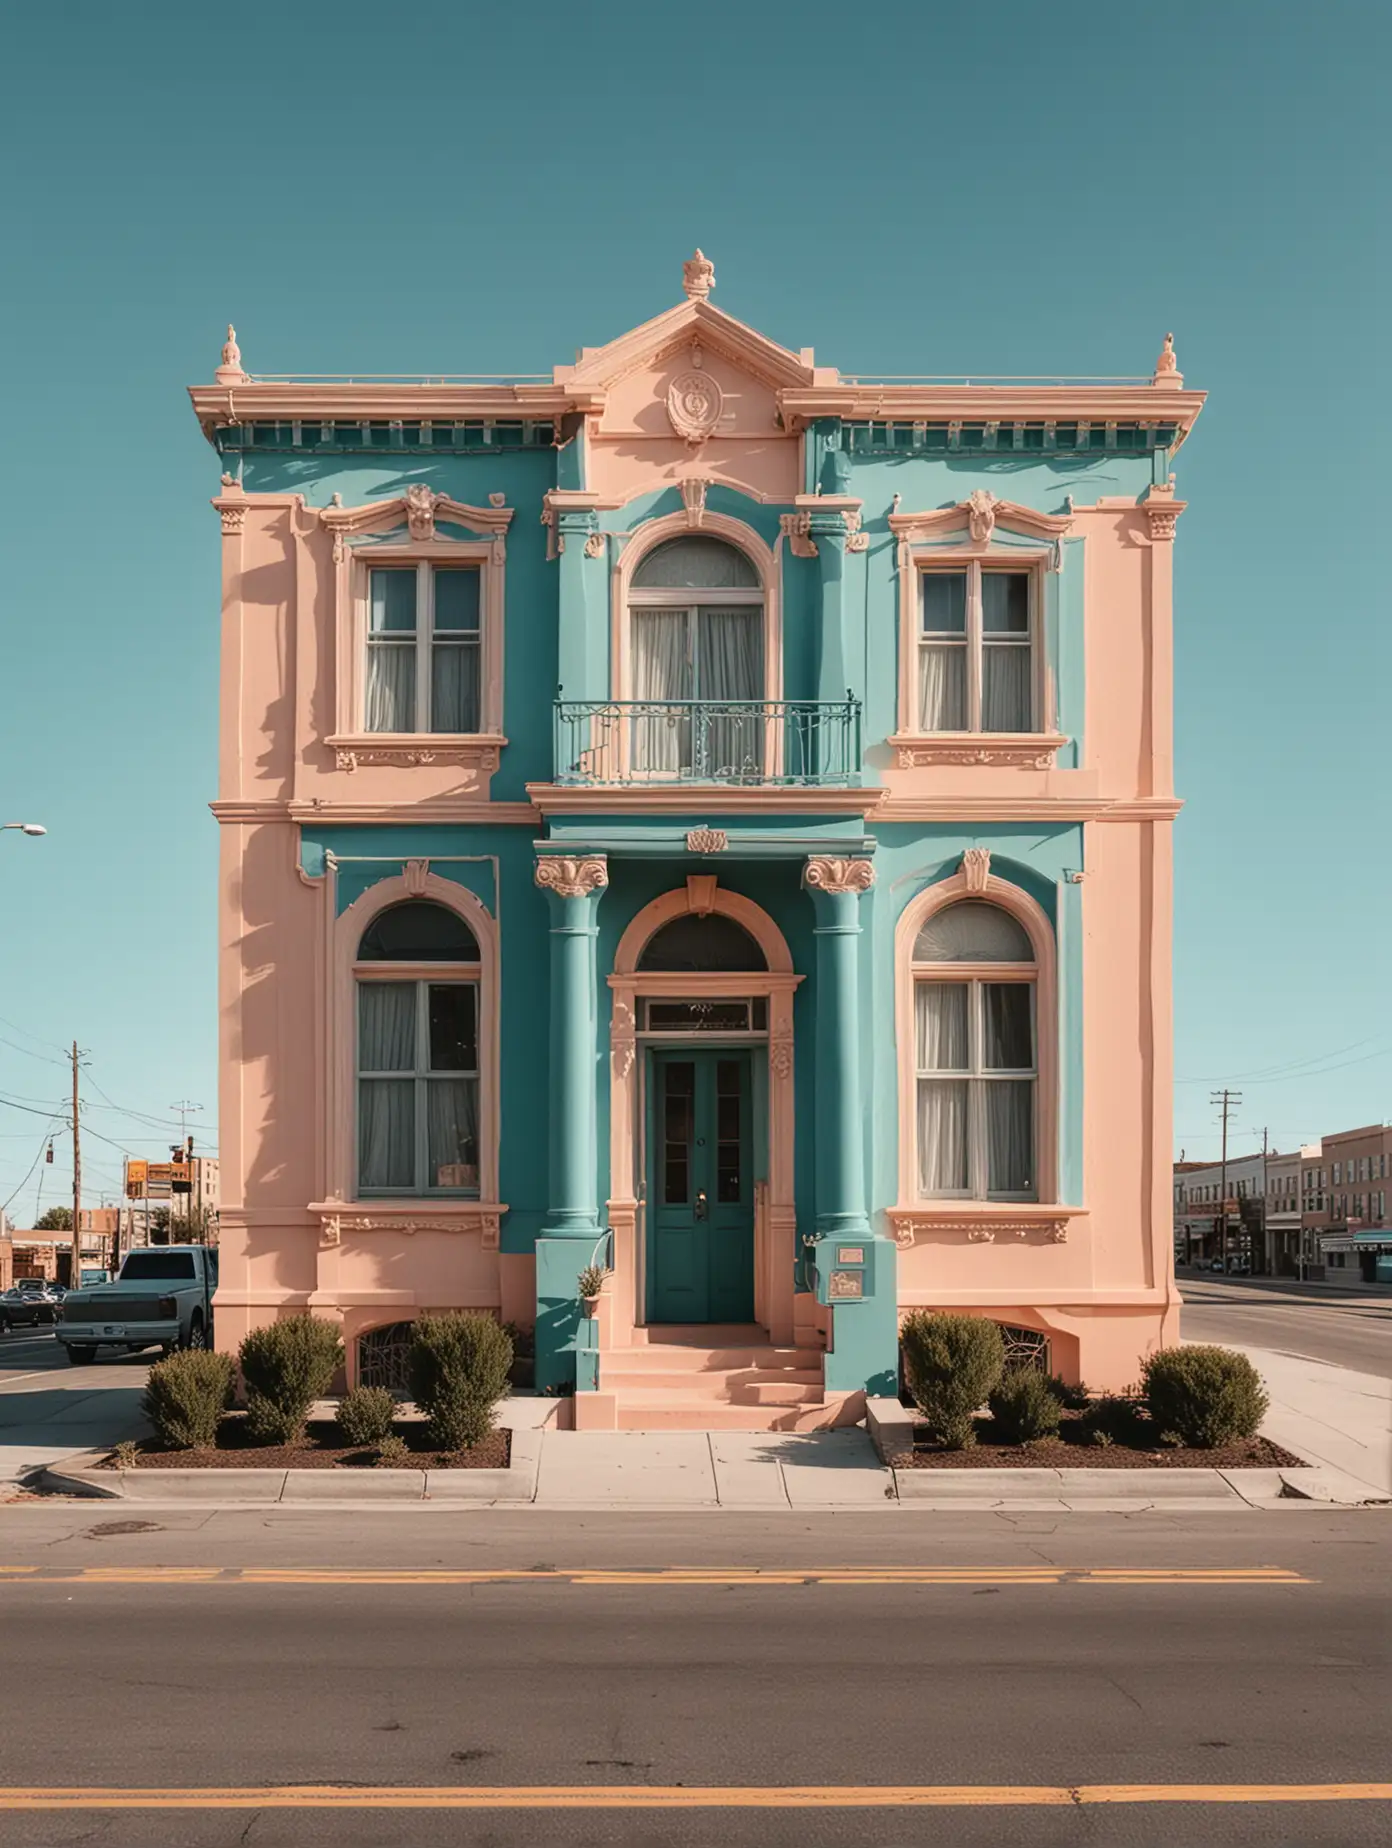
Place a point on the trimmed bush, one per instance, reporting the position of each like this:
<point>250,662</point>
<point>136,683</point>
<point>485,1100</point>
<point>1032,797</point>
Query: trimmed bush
<point>393,1452</point>
<point>458,1367</point>
<point>1023,1406</point>
<point>186,1395</point>
<point>1073,1398</point>
<point>952,1364</point>
<point>365,1414</point>
<point>287,1366</point>
<point>1113,1418</point>
<point>1204,1396</point>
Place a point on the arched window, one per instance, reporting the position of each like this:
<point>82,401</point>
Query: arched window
<point>697,651</point>
<point>417,975</point>
<point>690,943</point>
<point>974,988</point>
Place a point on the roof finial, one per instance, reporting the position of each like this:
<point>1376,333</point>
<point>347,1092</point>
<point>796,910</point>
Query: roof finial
<point>1167,370</point>
<point>698,276</point>
<point>230,371</point>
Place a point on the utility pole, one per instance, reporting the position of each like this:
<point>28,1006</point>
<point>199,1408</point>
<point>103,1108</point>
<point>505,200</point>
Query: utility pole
<point>1264,1209</point>
<point>75,1270</point>
<point>185,1108</point>
<point>1226,1101</point>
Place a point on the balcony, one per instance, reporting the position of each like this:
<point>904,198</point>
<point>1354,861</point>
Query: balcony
<point>789,743</point>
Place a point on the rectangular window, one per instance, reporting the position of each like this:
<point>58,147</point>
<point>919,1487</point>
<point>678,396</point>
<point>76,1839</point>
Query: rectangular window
<point>424,648</point>
<point>976,1089</point>
<point>976,656</point>
<point>418,1087</point>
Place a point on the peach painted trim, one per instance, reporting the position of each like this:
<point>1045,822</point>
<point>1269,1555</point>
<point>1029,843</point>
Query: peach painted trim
<point>1035,807</point>
<point>982,1222</point>
<point>707,798</point>
<point>1004,750</point>
<point>351,567</point>
<point>673,526</point>
<point>1020,905</point>
<point>442,809</point>
<point>345,933</point>
<point>776,1220</point>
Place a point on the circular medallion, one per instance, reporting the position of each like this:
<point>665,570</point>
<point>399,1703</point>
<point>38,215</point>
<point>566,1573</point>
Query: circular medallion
<point>694,403</point>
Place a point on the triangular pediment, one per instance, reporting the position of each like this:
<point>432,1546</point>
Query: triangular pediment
<point>698,322</point>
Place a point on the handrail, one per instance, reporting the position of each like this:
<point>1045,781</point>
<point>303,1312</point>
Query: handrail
<point>636,742</point>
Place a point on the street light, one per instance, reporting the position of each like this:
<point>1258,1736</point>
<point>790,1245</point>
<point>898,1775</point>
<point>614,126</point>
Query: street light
<point>24,827</point>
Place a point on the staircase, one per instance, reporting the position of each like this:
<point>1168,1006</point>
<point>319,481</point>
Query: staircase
<point>709,1378</point>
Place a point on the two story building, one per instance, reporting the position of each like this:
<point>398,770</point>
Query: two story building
<point>702,815</point>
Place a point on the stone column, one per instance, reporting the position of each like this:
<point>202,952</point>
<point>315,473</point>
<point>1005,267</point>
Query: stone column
<point>863,1349</point>
<point>567,1241</point>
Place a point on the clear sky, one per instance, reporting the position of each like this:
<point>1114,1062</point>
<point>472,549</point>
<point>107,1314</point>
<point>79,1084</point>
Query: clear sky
<point>1017,188</point>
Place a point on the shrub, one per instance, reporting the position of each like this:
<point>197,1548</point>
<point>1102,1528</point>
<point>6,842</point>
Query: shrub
<point>458,1366</point>
<point>1204,1396</point>
<point>952,1363</point>
<point>287,1366</point>
<point>1112,1418</point>
<point>393,1452</point>
<point>1023,1406</point>
<point>185,1396</point>
<point>1073,1398</point>
<point>365,1414</point>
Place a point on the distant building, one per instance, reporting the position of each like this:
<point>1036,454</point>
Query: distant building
<point>1351,1223</point>
<point>1201,1206</point>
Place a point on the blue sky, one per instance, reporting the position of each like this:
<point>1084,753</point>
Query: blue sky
<point>917,188</point>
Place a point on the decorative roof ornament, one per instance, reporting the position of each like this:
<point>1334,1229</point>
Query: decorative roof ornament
<point>1167,370</point>
<point>698,276</point>
<point>980,506</point>
<point>230,371</point>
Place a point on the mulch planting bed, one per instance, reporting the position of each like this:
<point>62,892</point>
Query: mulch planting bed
<point>1072,1450</point>
<point>323,1448</point>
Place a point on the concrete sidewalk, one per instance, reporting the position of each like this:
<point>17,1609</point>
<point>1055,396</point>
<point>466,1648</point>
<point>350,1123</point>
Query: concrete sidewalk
<point>710,1469</point>
<point>1339,1420</point>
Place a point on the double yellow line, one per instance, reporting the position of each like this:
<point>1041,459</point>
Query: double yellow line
<point>660,1576</point>
<point>684,1797</point>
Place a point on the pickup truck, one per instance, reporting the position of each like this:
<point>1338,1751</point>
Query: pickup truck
<point>162,1298</point>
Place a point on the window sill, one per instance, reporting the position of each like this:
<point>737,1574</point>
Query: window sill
<point>981,1222</point>
<point>1006,750</point>
<point>472,750</point>
<point>337,1217</point>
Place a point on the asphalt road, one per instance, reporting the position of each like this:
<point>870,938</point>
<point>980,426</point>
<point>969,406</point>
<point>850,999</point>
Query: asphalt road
<point>120,1681</point>
<point>50,1409</point>
<point>1347,1329</point>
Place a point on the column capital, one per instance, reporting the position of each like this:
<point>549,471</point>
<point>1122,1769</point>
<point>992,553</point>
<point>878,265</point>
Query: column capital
<point>572,878</point>
<point>838,876</point>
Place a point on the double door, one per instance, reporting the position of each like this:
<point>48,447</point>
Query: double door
<point>700,1187</point>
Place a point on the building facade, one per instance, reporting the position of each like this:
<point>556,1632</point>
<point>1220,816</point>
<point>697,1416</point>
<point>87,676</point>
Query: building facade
<point>1353,1233</point>
<point>701,815</point>
<point>1219,1211</point>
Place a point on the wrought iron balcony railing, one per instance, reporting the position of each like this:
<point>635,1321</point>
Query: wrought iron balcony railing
<point>798,742</point>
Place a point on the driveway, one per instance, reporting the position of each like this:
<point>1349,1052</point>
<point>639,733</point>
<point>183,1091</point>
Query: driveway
<point>49,1409</point>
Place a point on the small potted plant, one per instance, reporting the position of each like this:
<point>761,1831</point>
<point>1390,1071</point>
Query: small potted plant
<point>589,1284</point>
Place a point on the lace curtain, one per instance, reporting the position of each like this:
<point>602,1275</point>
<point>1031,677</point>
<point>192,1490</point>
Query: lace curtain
<point>975,1133</point>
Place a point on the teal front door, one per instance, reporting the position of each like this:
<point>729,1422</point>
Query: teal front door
<point>700,1196</point>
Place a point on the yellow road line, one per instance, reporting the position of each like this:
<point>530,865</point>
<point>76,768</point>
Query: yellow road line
<point>679,1576</point>
<point>678,1796</point>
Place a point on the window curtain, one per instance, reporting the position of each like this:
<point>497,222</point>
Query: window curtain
<point>1010,1136</point>
<point>386,1106</point>
<point>1005,689</point>
<point>940,1018</point>
<point>661,672</point>
<point>942,688</point>
<point>729,666</point>
<point>391,687</point>
<point>454,689</point>
<point>452,1132</point>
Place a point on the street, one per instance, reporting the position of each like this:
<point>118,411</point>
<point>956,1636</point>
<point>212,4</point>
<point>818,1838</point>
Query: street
<point>247,1685</point>
<point>1346,1328</point>
<point>49,1409</point>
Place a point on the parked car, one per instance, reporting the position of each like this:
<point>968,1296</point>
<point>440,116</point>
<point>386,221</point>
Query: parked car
<point>162,1298</point>
<point>24,1307</point>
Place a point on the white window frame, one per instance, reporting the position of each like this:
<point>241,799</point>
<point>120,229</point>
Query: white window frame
<point>975,977</point>
<point>444,555</point>
<point>423,977</point>
<point>1040,736</point>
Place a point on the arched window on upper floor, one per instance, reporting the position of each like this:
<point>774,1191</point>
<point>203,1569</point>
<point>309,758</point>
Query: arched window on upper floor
<point>418,974</point>
<point>975,1055</point>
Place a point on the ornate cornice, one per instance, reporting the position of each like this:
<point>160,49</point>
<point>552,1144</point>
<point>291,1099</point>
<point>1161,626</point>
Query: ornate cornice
<point>423,509</point>
<point>827,875</point>
<point>1003,750</point>
<point>707,840</point>
<point>1161,510</point>
<point>569,878</point>
<point>979,1223</point>
<point>823,516</point>
<point>981,513</point>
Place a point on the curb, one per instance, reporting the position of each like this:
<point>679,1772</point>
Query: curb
<point>80,1475</point>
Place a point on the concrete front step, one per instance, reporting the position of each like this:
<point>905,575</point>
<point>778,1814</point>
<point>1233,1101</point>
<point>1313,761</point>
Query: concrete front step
<point>682,1414</point>
<point>635,1382</point>
<point>667,1357</point>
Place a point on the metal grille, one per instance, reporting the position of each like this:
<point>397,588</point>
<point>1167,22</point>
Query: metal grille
<point>1025,1347</point>
<point>382,1355</point>
<point>114,1308</point>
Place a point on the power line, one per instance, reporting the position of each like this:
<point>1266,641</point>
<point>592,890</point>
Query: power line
<point>33,1164</point>
<point>1269,1071</point>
